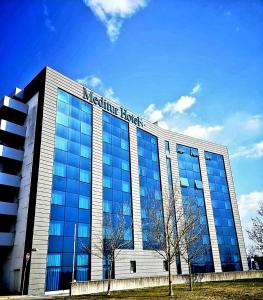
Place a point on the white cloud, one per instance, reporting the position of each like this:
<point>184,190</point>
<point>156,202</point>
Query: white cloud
<point>254,151</point>
<point>113,12</point>
<point>248,205</point>
<point>254,123</point>
<point>196,89</point>
<point>94,82</point>
<point>163,125</point>
<point>181,105</point>
<point>48,22</point>
<point>153,114</point>
<point>202,132</point>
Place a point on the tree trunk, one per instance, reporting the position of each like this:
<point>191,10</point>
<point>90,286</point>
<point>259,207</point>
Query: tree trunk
<point>171,293</point>
<point>190,276</point>
<point>109,277</point>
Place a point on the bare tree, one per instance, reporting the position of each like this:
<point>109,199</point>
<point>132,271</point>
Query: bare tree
<point>256,232</point>
<point>111,244</point>
<point>165,228</point>
<point>192,246</point>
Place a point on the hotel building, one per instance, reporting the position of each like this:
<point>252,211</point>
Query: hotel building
<point>70,156</point>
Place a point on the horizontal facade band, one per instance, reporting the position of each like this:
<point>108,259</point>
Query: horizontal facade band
<point>7,208</point>
<point>13,104</point>
<point>11,153</point>
<point>12,128</point>
<point>10,180</point>
<point>7,238</point>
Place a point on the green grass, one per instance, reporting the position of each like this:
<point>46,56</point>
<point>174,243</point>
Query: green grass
<point>229,290</point>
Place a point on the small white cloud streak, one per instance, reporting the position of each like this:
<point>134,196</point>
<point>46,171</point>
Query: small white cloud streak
<point>254,151</point>
<point>96,83</point>
<point>48,22</point>
<point>202,132</point>
<point>196,89</point>
<point>113,12</point>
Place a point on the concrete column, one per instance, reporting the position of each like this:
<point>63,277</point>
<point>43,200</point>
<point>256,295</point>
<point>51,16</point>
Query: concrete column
<point>136,201</point>
<point>97,194</point>
<point>44,188</point>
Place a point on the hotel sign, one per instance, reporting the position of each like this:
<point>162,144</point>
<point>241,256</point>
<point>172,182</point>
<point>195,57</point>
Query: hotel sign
<point>107,106</point>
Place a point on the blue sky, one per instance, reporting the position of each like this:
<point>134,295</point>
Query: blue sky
<point>195,66</point>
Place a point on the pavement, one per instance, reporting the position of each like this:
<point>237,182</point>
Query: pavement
<point>26,297</point>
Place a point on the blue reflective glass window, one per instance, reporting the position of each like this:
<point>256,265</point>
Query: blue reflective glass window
<point>198,184</point>
<point>84,202</point>
<point>54,260</point>
<point>107,206</point>
<point>67,259</point>
<point>84,215</point>
<point>60,156</point>
<point>72,172</point>
<point>61,143</point>
<point>68,244</point>
<point>85,128</point>
<point>107,159</point>
<point>74,148</point>
<point>55,244</point>
<point>74,135</point>
<point>63,96</point>
<point>125,186</point>
<point>56,228</point>
<point>82,259</point>
<point>85,163</point>
<point>84,188</point>
<point>73,160</point>
<point>69,228</point>
<point>84,176</point>
<point>72,200</point>
<point>83,230</point>
<point>59,169</point>
<point>57,212</point>
<point>71,214</point>
<point>62,119</point>
<point>107,182</point>
<point>72,186</point>
<point>62,131</point>
<point>58,197</point>
<point>125,165</point>
<point>184,182</point>
<point>86,107</point>
<point>85,151</point>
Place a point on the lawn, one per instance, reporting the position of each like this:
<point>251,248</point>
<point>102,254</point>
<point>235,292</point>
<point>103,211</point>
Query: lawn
<point>244,290</point>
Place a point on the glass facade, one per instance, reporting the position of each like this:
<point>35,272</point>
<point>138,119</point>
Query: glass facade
<point>117,202</point>
<point>71,194</point>
<point>192,190</point>
<point>224,221</point>
<point>150,182</point>
<point>171,191</point>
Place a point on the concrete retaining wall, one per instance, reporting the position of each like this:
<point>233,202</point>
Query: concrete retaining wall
<point>93,287</point>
